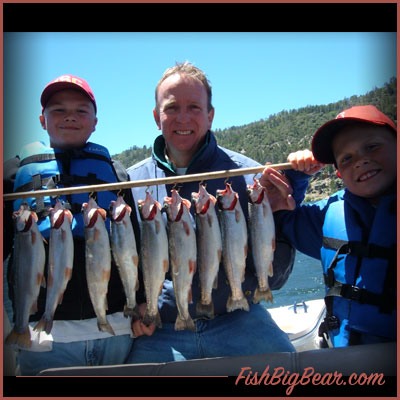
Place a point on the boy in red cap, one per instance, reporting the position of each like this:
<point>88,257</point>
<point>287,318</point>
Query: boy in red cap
<point>353,232</point>
<point>69,116</point>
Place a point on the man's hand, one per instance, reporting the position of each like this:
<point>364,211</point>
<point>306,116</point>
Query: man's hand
<point>138,327</point>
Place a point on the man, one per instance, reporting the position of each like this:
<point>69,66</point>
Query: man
<point>184,113</point>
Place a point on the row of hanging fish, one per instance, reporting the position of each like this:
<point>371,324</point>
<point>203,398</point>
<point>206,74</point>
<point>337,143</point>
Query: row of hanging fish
<point>181,248</point>
<point>29,263</point>
<point>184,249</point>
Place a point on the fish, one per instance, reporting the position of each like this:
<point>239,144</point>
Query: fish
<point>209,248</point>
<point>234,245</point>
<point>154,260</point>
<point>183,256</point>
<point>123,246</point>
<point>61,259</point>
<point>262,239</point>
<point>28,267</point>
<point>98,261</point>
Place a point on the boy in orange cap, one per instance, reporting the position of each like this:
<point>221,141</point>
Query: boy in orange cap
<point>353,232</point>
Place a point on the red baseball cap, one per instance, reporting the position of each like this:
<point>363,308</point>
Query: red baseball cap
<point>67,82</point>
<point>322,141</point>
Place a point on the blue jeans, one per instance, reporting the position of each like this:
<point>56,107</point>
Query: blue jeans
<point>109,351</point>
<point>232,334</point>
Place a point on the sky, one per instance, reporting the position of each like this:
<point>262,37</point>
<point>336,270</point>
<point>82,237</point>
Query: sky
<point>253,75</point>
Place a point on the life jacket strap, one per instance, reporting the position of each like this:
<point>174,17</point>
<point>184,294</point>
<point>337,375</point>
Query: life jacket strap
<point>386,302</point>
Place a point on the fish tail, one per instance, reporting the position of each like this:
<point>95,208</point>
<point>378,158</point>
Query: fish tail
<point>265,295</point>
<point>44,325</point>
<point>206,310</point>
<point>105,327</point>
<point>152,319</point>
<point>131,311</point>
<point>187,323</point>
<point>241,304</point>
<point>20,339</point>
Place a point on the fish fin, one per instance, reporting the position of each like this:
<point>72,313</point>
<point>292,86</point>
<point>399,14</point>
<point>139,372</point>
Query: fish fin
<point>244,274</point>
<point>209,220</point>
<point>273,244</point>
<point>20,339</point>
<point>166,265</point>
<point>181,324</point>
<point>192,267</point>
<point>34,307</point>
<point>246,248</point>
<point>60,298</point>
<point>135,260</point>
<point>131,312</point>
<point>137,285</point>
<point>186,228</point>
<point>33,237</point>
<point>265,295</point>
<point>190,296</point>
<point>41,280</point>
<point>265,210</point>
<point>68,273</point>
<point>270,269</point>
<point>157,224</point>
<point>215,284</point>
<point>105,327</point>
<point>152,319</point>
<point>219,255</point>
<point>206,310</point>
<point>44,325</point>
<point>237,216</point>
<point>241,304</point>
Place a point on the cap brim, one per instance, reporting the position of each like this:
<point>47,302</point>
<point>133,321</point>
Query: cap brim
<point>321,144</point>
<point>56,87</point>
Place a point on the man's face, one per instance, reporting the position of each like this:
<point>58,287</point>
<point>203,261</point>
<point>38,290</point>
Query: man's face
<point>182,114</point>
<point>366,159</point>
<point>69,119</point>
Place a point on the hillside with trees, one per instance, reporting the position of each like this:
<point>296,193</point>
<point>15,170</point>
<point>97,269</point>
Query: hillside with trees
<point>273,138</point>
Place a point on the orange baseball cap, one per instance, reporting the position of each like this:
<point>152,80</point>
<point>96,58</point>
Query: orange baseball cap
<point>67,82</point>
<point>321,144</point>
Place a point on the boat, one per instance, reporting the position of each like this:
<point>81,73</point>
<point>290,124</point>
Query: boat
<point>300,321</point>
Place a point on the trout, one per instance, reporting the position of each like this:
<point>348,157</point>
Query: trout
<point>61,259</point>
<point>123,246</point>
<point>98,261</point>
<point>262,239</point>
<point>234,245</point>
<point>209,248</point>
<point>153,256</point>
<point>28,269</point>
<point>182,250</point>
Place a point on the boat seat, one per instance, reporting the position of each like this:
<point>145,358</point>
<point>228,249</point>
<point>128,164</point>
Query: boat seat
<point>371,358</point>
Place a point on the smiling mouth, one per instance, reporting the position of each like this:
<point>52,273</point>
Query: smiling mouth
<point>184,133</point>
<point>368,175</point>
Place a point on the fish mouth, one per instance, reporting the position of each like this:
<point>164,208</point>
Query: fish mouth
<point>368,175</point>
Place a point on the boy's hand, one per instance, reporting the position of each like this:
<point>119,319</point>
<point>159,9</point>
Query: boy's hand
<point>138,327</point>
<point>279,190</point>
<point>304,161</point>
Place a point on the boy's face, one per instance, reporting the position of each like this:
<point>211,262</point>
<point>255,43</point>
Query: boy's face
<point>69,118</point>
<point>366,159</point>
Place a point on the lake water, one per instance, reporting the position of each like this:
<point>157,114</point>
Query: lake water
<point>305,283</point>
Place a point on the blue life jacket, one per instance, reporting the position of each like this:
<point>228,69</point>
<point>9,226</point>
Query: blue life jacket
<point>43,167</point>
<point>360,274</point>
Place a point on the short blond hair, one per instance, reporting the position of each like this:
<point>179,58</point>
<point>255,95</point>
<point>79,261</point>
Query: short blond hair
<point>187,68</point>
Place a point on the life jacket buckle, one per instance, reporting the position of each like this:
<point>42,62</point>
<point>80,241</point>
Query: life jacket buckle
<point>351,292</point>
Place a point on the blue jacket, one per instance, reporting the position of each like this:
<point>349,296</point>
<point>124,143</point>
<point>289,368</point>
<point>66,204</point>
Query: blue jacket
<point>40,167</point>
<point>356,244</point>
<point>210,158</point>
